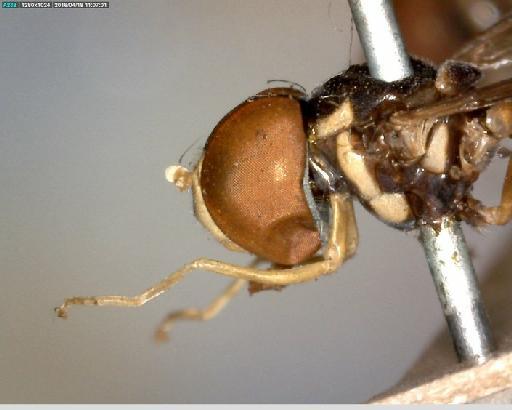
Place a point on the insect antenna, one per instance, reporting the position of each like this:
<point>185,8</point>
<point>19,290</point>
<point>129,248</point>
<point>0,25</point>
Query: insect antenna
<point>188,150</point>
<point>351,40</point>
<point>340,30</point>
<point>291,83</point>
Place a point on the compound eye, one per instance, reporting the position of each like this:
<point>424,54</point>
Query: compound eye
<point>252,179</point>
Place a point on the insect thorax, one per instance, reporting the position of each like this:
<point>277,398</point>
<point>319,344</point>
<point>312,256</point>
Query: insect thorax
<point>405,174</point>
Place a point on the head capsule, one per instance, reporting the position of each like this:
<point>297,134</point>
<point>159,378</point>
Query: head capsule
<point>252,178</point>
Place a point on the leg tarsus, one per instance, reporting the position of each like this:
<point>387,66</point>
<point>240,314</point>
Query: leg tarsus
<point>502,214</point>
<point>121,301</point>
<point>211,311</point>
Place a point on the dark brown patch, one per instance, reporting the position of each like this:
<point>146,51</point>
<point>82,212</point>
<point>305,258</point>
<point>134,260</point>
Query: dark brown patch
<point>454,77</point>
<point>386,146</point>
<point>367,93</point>
<point>255,287</point>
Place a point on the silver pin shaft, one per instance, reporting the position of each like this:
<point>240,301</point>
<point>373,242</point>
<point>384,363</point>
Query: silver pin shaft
<point>446,250</point>
<point>457,288</point>
<point>381,40</point>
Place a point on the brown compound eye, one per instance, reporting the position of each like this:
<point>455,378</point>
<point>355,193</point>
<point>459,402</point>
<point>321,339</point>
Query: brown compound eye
<point>251,178</point>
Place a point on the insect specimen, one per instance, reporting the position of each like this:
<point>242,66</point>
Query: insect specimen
<point>279,172</point>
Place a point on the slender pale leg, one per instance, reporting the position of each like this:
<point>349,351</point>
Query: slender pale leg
<point>498,121</point>
<point>501,214</point>
<point>341,245</point>
<point>212,310</point>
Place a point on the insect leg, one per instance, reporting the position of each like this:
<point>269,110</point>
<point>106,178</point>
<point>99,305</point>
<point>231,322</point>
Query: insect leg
<point>502,214</point>
<point>212,310</point>
<point>342,244</point>
<point>499,123</point>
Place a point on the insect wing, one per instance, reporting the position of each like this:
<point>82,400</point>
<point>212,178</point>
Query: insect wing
<point>469,101</point>
<point>490,49</point>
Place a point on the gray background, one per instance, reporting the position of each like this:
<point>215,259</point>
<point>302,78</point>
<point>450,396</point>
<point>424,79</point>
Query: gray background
<point>95,104</point>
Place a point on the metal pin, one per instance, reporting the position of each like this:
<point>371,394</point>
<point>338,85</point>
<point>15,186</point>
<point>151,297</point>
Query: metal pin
<point>445,249</point>
<point>457,288</point>
<point>381,40</point>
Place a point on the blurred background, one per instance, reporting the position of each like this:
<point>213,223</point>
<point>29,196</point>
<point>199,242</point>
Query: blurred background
<point>95,105</point>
